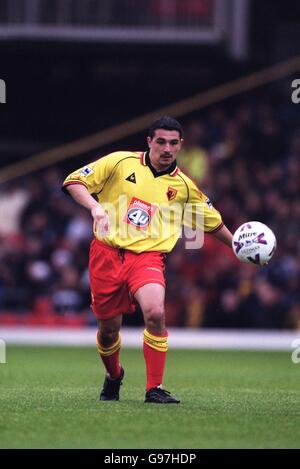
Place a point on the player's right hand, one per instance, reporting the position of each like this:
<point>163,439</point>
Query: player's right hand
<point>101,220</point>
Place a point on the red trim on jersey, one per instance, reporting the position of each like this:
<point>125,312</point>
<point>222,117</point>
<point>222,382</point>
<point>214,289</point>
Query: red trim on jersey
<point>175,172</point>
<point>142,159</point>
<point>70,183</point>
<point>216,229</point>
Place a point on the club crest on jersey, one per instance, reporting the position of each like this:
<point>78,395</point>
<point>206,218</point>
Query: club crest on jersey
<point>171,193</point>
<point>86,171</point>
<point>139,213</point>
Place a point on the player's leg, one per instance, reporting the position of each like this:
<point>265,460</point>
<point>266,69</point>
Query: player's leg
<point>151,298</point>
<point>108,344</point>
<point>110,300</point>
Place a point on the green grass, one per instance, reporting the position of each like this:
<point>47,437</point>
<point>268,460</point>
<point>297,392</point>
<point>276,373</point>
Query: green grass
<point>49,399</point>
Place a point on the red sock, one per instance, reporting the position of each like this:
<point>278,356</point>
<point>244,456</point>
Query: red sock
<point>112,364</point>
<point>111,357</point>
<point>155,348</point>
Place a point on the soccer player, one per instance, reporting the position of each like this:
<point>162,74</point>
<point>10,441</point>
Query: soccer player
<point>139,202</point>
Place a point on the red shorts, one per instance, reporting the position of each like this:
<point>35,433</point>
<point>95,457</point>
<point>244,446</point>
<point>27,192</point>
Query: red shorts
<point>116,275</point>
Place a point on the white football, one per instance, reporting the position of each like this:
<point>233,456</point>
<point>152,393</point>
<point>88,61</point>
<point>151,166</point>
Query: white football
<point>254,242</point>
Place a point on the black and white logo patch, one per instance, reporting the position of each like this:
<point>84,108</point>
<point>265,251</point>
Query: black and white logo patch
<point>131,178</point>
<point>210,205</point>
<point>86,171</point>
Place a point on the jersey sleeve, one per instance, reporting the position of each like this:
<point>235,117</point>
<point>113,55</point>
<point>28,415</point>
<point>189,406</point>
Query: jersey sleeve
<point>94,175</point>
<point>200,213</point>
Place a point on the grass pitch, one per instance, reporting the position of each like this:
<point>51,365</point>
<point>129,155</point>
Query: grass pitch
<point>49,399</point>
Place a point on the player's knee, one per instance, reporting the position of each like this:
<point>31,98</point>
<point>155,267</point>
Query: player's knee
<point>155,317</point>
<point>108,336</point>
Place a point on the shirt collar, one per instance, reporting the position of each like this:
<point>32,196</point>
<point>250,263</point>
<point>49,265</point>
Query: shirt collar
<point>172,169</point>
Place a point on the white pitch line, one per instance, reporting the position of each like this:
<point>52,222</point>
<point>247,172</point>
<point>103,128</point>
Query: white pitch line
<point>133,337</point>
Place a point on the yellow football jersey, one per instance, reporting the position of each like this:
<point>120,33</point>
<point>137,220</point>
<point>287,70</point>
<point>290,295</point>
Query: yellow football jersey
<point>147,209</point>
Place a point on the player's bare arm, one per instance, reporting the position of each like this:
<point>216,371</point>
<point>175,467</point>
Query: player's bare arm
<point>224,235</point>
<point>82,196</point>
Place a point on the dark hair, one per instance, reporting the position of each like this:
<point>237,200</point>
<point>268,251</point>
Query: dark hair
<point>167,123</point>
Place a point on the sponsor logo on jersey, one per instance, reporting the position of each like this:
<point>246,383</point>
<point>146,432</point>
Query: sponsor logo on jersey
<point>131,178</point>
<point>139,213</point>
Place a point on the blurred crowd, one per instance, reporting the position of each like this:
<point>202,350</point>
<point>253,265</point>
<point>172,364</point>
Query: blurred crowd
<point>245,157</point>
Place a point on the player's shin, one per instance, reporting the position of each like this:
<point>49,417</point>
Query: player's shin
<point>155,352</point>
<point>110,356</point>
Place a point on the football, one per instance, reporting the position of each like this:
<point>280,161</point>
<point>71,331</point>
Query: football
<point>254,242</point>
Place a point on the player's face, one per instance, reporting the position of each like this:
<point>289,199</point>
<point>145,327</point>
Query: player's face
<point>164,147</point>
